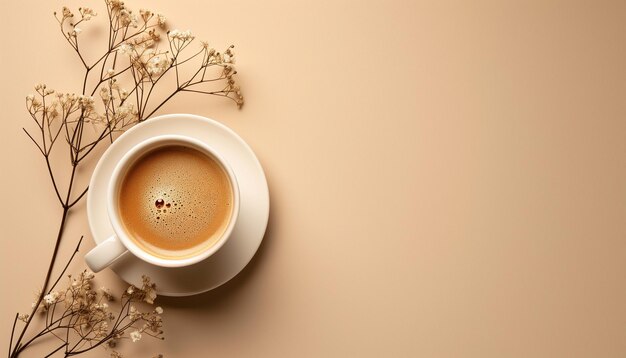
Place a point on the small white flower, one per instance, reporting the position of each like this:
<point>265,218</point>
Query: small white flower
<point>158,64</point>
<point>110,72</point>
<point>161,20</point>
<point>51,298</point>
<point>127,18</point>
<point>106,293</point>
<point>150,295</point>
<point>125,110</point>
<point>159,310</point>
<point>182,35</point>
<point>134,314</point>
<point>130,290</point>
<point>77,30</point>
<point>87,103</point>
<point>105,94</point>
<point>126,49</point>
<point>23,317</point>
<point>135,336</point>
<point>66,12</point>
<point>87,13</point>
<point>145,14</point>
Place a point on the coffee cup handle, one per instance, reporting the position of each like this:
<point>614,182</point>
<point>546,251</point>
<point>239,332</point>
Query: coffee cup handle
<point>105,253</point>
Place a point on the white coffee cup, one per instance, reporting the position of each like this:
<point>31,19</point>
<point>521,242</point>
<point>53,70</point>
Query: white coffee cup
<point>117,245</point>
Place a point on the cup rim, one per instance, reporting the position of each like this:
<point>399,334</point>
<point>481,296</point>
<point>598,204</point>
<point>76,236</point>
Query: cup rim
<point>119,173</point>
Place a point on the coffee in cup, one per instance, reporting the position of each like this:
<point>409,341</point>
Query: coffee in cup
<point>175,202</point>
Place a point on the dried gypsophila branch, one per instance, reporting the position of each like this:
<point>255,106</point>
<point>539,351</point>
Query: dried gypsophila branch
<point>81,317</point>
<point>132,53</point>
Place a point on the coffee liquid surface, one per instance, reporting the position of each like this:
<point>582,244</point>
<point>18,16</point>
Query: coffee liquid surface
<point>175,202</point>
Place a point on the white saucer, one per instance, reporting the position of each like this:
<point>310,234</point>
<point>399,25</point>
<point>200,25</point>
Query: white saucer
<point>249,229</point>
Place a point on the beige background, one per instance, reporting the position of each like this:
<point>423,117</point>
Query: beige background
<point>448,178</point>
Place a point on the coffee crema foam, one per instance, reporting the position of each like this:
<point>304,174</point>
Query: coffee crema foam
<point>175,202</point>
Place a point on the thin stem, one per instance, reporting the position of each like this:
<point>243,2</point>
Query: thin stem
<point>54,184</point>
<point>191,57</point>
<point>91,146</point>
<point>56,350</point>
<point>80,55</point>
<point>85,79</point>
<point>174,62</point>
<point>16,350</point>
<point>54,308</point>
<point>12,332</point>
<point>34,141</point>
<point>74,133</point>
<point>214,93</point>
<point>44,331</point>
<point>110,27</point>
<point>69,189</point>
<point>79,197</point>
<point>67,135</point>
<point>43,134</point>
<point>161,105</point>
<point>66,266</point>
